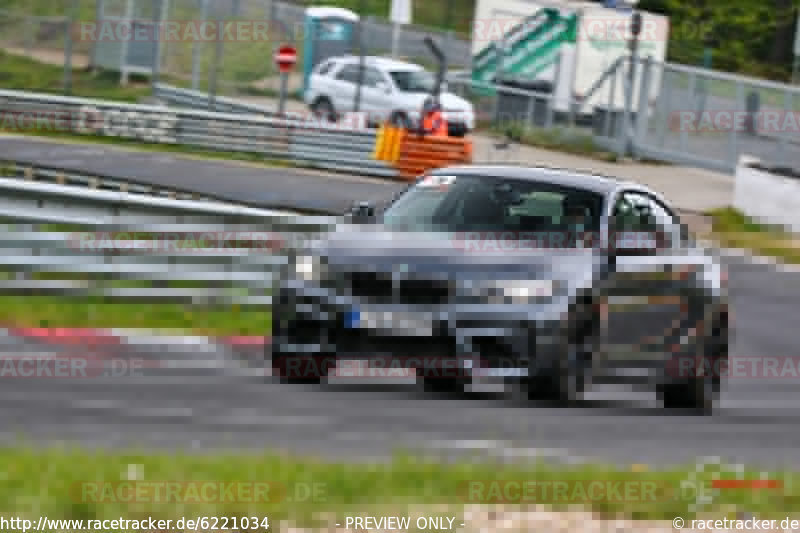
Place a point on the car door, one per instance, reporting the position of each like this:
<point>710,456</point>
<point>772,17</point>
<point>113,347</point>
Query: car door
<point>646,302</point>
<point>376,95</point>
<point>344,87</point>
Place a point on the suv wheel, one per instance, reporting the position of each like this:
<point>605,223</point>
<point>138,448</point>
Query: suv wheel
<point>323,108</point>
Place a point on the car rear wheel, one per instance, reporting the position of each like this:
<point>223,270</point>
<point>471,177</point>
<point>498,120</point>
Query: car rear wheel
<point>323,108</point>
<point>700,391</point>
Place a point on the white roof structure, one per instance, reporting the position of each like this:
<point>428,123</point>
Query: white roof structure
<point>328,11</point>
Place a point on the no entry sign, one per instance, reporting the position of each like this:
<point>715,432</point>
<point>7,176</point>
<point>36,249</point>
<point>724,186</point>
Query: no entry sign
<point>286,58</point>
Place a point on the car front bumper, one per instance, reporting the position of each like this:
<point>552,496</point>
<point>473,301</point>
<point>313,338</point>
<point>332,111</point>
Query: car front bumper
<point>491,340</point>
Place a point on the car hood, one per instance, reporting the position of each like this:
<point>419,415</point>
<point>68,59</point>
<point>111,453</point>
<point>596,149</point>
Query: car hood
<point>449,101</point>
<point>451,255</point>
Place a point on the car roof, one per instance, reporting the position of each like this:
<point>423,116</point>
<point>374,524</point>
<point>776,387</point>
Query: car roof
<point>381,62</point>
<point>561,177</point>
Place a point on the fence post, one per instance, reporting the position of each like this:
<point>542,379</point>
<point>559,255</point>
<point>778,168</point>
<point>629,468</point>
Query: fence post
<point>642,121</point>
<point>73,15</point>
<point>212,81</point>
<point>665,104</point>
<point>197,46</point>
<point>684,133</point>
<point>123,49</point>
<point>612,98</point>
<point>787,108</point>
<point>733,138</point>
<point>160,12</point>
<point>98,17</point>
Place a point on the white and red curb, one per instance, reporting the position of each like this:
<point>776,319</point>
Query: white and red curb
<point>114,336</point>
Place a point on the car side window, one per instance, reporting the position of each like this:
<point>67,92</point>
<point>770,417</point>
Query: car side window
<point>348,73</point>
<point>324,68</point>
<point>372,77</point>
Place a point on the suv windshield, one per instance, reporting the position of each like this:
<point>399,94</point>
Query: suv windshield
<point>476,203</point>
<point>413,81</point>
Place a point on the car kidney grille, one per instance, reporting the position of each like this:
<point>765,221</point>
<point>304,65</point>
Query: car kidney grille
<point>370,285</point>
<point>381,288</point>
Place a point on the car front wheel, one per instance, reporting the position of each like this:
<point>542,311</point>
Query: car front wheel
<point>564,381</point>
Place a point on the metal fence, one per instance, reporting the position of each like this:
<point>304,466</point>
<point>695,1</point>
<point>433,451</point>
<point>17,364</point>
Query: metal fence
<point>231,66</point>
<point>708,119</point>
<point>61,240</point>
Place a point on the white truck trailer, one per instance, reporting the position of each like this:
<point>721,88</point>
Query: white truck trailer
<point>569,44</point>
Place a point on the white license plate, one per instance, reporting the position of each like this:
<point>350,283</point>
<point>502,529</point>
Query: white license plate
<point>393,322</point>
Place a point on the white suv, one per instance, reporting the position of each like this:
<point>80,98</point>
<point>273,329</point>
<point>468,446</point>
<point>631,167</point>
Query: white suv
<point>393,90</point>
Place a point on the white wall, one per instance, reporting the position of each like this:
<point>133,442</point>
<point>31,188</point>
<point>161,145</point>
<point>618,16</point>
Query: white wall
<point>767,198</point>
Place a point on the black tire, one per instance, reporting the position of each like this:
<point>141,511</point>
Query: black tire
<point>323,108</point>
<point>699,393</point>
<point>565,381</point>
<point>296,368</point>
<point>434,382</point>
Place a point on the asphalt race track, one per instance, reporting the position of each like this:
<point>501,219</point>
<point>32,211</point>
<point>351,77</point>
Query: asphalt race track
<point>249,184</point>
<point>208,395</point>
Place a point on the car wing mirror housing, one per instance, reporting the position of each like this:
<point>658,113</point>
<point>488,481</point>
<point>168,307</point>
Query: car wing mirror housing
<point>362,213</point>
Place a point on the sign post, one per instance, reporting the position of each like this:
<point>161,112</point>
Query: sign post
<point>285,59</point>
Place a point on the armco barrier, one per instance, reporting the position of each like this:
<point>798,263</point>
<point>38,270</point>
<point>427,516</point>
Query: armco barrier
<point>230,252</point>
<point>311,143</point>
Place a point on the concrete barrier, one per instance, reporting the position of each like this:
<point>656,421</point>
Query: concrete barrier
<point>768,195</point>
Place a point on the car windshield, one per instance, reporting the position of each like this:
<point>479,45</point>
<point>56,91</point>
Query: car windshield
<point>447,203</point>
<point>414,81</point>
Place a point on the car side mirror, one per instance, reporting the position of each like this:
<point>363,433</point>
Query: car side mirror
<point>362,213</point>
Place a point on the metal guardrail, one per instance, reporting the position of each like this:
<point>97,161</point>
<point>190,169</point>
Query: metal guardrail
<point>135,247</point>
<point>314,144</point>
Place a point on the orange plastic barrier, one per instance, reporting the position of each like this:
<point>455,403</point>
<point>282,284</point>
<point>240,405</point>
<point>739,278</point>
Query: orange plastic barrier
<point>419,154</point>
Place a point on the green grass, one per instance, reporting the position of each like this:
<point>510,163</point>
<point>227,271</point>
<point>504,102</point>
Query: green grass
<point>25,74</point>
<point>97,312</point>
<point>733,229</point>
<point>558,139</point>
<point>59,483</point>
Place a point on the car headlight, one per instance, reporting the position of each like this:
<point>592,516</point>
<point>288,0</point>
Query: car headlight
<point>307,267</point>
<point>522,291</point>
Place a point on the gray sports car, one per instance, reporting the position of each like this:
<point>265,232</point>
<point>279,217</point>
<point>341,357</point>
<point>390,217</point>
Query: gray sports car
<point>547,278</point>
